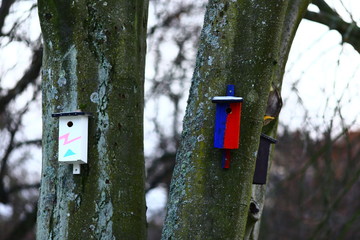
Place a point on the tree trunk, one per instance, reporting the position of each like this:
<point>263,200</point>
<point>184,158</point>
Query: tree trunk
<point>294,14</point>
<point>94,57</point>
<point>245,43</point>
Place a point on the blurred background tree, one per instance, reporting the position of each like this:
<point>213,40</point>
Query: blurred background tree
<point>21,56</point>
<point>313,188</point>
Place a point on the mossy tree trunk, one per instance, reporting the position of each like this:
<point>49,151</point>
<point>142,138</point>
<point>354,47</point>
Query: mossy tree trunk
<point>94,53</point>
<point>245,43</point>
<point>295,11</point>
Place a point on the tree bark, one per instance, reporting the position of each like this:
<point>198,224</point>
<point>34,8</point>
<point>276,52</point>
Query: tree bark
<point>293,16</point>
<point>245,43</point>
<point>94,57</point>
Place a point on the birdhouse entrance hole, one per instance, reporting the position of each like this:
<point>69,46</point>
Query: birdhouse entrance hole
<point>228,110</point>
<point>70,124</point>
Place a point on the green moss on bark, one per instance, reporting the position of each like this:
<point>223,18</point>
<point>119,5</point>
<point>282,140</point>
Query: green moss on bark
<point>94,61</point>
<point>294,13</point>
<point>239,44</point>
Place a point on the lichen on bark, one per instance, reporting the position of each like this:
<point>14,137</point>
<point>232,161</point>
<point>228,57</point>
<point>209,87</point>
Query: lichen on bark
<point>240,44</point>
<point>93,60</point>
<point>293,15</point>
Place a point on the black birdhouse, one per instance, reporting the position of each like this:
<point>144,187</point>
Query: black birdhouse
<point>262,159</point>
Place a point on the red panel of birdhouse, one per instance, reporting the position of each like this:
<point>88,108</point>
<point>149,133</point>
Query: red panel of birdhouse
<point>232,129</point>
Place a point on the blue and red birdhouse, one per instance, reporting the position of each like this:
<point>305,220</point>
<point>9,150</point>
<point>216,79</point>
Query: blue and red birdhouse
<point>227,123</point>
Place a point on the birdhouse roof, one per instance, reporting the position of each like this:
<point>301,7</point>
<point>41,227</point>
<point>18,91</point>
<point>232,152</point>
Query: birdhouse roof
<point>63,114</point>
<point>226,99</point>
<point>270,139</point>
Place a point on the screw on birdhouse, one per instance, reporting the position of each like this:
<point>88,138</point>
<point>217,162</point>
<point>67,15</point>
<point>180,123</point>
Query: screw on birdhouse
<point>227,123</point>
<point>73,138</point>
<point>262,159</point>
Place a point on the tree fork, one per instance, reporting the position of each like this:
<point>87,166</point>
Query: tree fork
<point>94,57</point>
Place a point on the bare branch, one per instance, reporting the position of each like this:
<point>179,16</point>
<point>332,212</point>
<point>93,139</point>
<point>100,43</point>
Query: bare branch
<point>25,225</point>
<point>23,187</point>
<point>4,11</point>
<point>160,171</point>
<point>4,198</point>
<point>13,129</point>
<point>36,142</point>
<point>29,77</point>
<point>169,19</point>
<point>324,7</point>
<point>350,32</point>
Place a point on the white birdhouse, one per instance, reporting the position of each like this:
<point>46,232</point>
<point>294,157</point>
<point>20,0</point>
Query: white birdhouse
<point>73,138</point>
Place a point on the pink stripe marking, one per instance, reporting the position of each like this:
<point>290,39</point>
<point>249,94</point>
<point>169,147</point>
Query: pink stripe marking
<point>66,137</point>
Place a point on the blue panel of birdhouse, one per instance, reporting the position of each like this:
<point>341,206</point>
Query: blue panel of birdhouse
<point>220,124</point>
